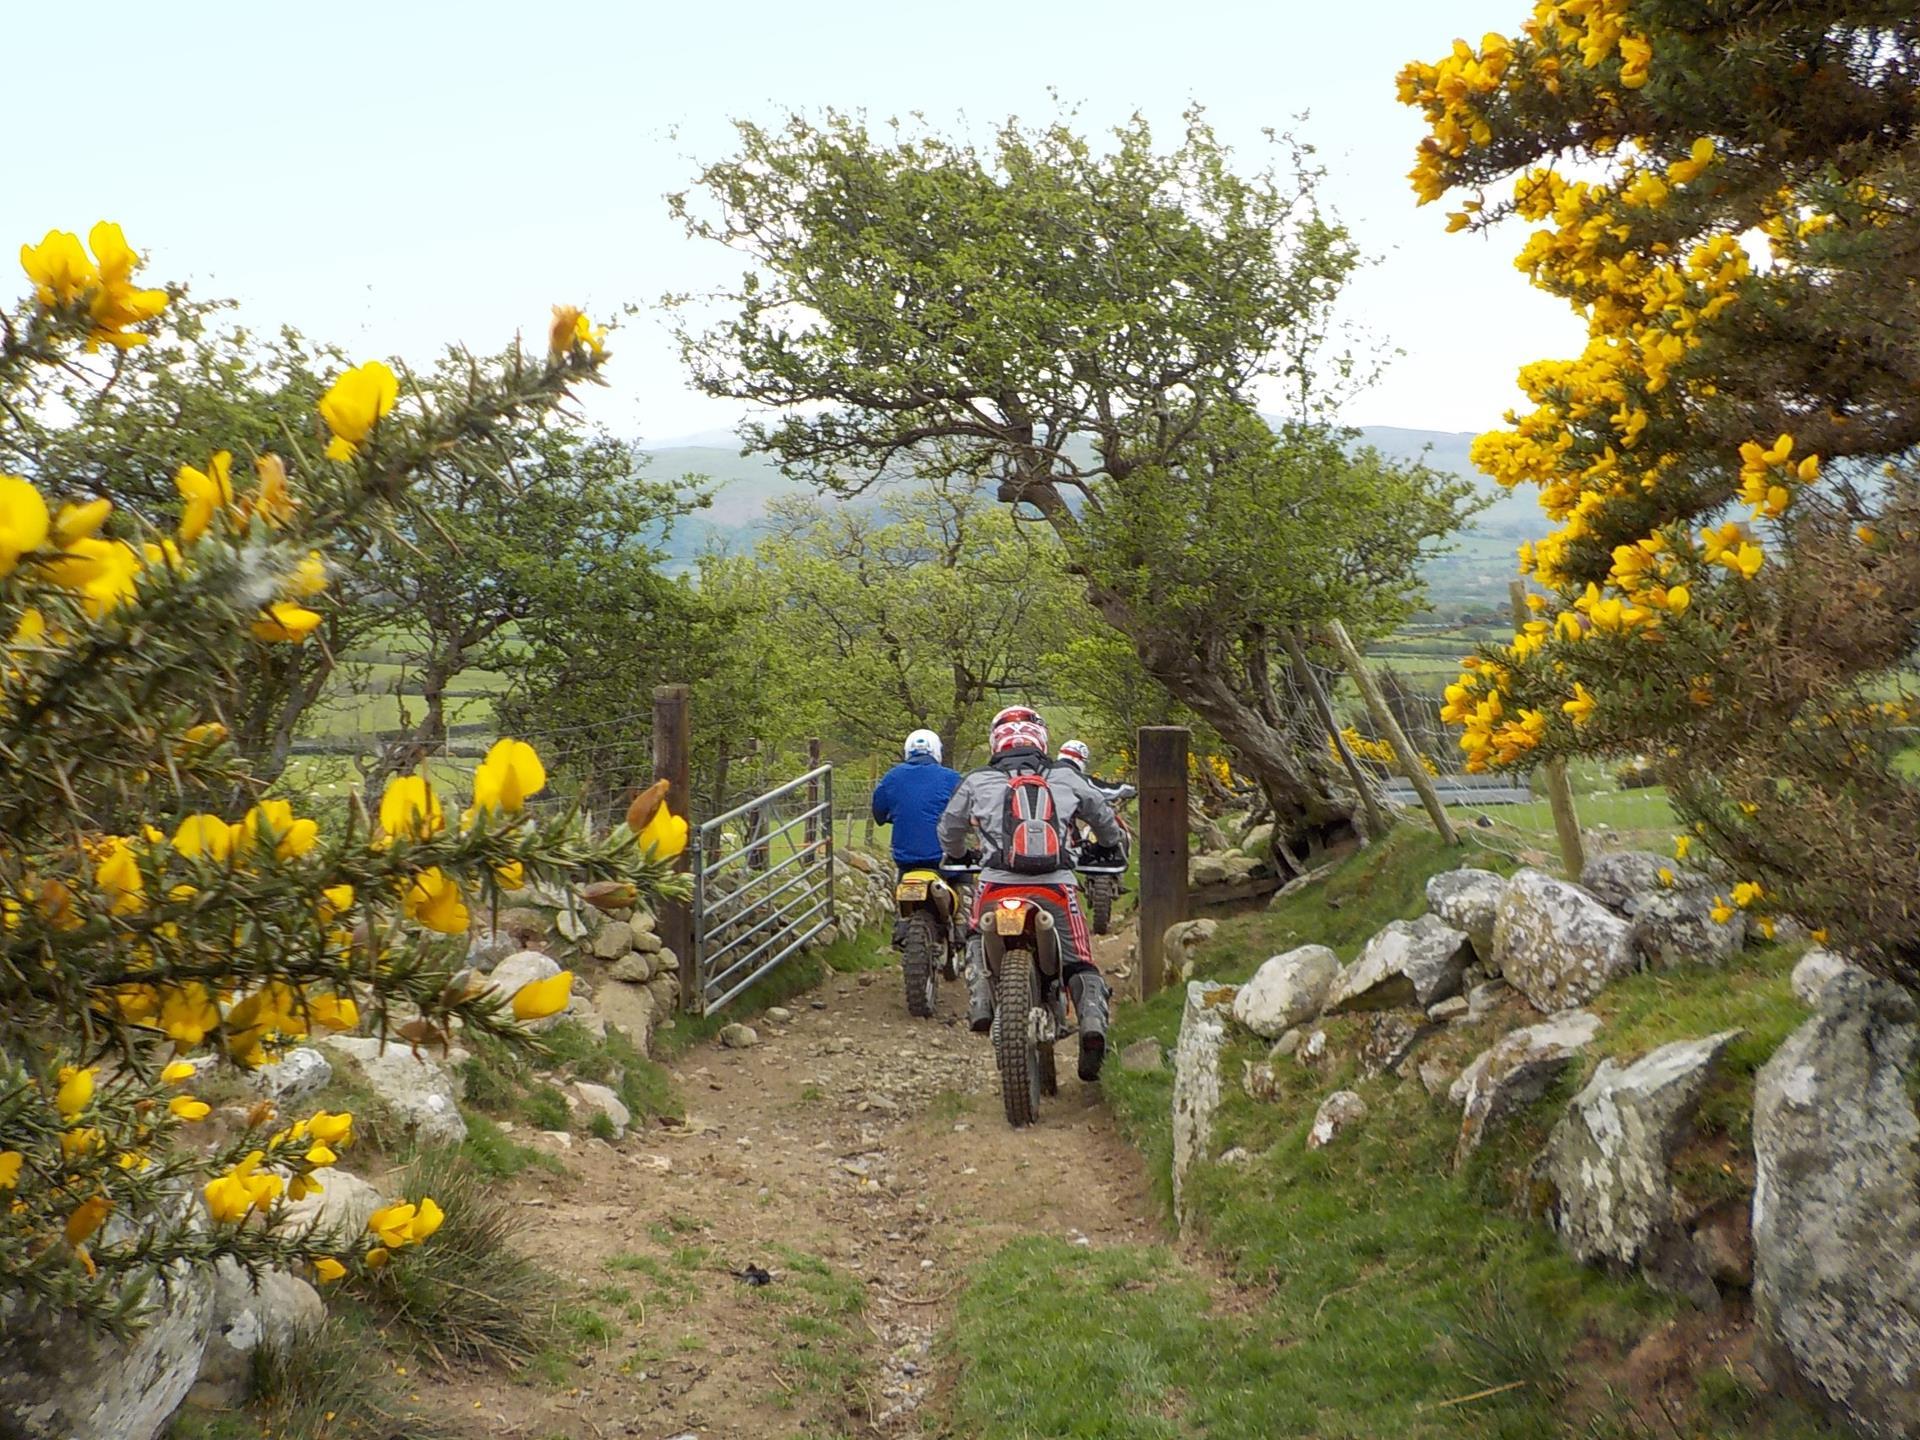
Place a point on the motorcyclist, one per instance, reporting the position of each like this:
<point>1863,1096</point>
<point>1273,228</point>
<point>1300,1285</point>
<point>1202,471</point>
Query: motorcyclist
<point>910,798</point>
<point>1076,754</point>
<point>1018,744</point>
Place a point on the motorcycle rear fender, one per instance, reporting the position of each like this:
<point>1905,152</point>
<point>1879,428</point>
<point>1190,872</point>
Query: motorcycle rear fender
<point>1040,940</point>
<point>940,895</point>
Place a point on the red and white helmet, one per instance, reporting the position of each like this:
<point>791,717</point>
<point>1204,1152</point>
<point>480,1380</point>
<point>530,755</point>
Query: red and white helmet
<point>1017,728</point>
<point>1076,754</point>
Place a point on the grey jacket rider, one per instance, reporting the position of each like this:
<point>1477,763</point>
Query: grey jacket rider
<point>981,803</point>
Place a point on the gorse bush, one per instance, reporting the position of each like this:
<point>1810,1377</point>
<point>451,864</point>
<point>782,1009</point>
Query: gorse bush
<point>150,927</point>
<point>1728,194</point>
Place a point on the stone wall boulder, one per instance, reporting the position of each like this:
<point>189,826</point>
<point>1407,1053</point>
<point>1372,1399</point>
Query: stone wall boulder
<point>274,1309</point>
<point>1616,878</point>
<point>1813,972</point>
<point>59,1381</point>
<point>342,1207</point>
<point>1196,1081</point>
<point>1836,1207</point>
<point>1339,1112</point>
<point>1608,1162</point>
<point>1468,900</point>
<point>1409,963</point>
<point>1286,990</point>
<point>1556,944</point>
<point>299,1072</point>
<point>1515,1072</point>
<point>420,1091</point>
<point>1183,938</point>
<point>1676,927</point>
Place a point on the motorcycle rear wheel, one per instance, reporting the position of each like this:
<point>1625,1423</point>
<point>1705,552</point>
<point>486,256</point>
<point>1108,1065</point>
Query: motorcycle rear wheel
<point>1014,1050</point>
<point>917,964</point>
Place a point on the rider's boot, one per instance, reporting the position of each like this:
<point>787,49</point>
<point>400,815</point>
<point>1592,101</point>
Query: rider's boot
<point>979,988</point>
<point>1090,994</point>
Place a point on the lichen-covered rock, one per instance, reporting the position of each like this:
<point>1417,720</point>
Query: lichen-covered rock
<point>60,1381</point>
<point>1516,1071</point>
<point>1181,941</point>
<point>600,1100</point>
<point>1258,842</point>
<point>1836,1207</point>
<point>274,1308</point>
<point>739,1037</point>
<point>1196,1081</point>
<point>1409,963</point>
<point>298,1072</point>
<point>1390,1039</point>
<point>1467,900</point>
<point>1286,990</point>
<point>487,947</point>
<point>1260,1080</point>
<point>342,1207</point>
<point>630,1009</point>
<point>1339,1112</point>
<point>420,1092</point>
<point>1676,927</point>
<point>1616,878</point>
<point>1556,944</point>
<point>1608,1161</point>
<point>1815,970</point>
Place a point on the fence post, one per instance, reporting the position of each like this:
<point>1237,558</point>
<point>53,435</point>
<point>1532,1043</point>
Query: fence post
<point>1553,775</point>
<point>1377,820</point>
<point>1384,722</point>
<point>670,763</point>
<point>1163,846</point>
<point>813,795</point>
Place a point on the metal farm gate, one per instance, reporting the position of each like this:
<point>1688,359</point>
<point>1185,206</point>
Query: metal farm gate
<point>762,885</point>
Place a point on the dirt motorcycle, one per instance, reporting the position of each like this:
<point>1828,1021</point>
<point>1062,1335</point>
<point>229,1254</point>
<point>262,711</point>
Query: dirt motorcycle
<point>1021,946</point>
<point>1104,885</point>
<point>933,912</point>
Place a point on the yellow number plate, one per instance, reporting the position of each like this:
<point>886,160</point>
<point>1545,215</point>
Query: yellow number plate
<point>1010,922</point>
<point>912,890</point>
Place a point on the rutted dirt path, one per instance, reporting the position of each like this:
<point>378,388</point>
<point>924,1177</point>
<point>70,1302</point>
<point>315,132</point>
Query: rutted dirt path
<point>852,1151</point>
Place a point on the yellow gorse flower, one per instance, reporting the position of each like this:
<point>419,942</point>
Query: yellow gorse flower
<point>10,1164</point>
<point>504,780</point>
<point>355,403</point>
<point>205,494</point>
<point>62,274</point>
<point>285,623</point>
<point>272,824</point>
<point>664,836</point>
<point>434,899</point>
<point>204,837</point>
<point>409,810</point>
<point>76,1091</point>
<point>538,999</point>
<point>396,1226</point>
<point>24,522</point>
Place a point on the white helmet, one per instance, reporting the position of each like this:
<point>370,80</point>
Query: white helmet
<point>1076,754</point>
<point>922,742</point>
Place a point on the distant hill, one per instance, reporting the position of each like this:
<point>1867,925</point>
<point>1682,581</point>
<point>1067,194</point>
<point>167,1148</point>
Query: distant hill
<point>1475,572</point>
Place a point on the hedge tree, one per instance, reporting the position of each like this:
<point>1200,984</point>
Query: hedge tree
<point>1729,195</point>
<point>151,932</point>
<point>1091,329</point>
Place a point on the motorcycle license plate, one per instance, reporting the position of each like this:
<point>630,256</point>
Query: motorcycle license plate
<point>912,890</point>
<point>1009,922</point>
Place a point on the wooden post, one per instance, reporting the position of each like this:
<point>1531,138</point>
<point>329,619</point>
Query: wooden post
<point>1377,819</point>
<point>1163,846</point>
<point>1384,722</point>
<point>670,763</point>
<point>1553,775</point>
<point>813,794</point>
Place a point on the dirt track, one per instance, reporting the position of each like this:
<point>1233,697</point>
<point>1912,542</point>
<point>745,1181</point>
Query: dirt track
<point>852,1149</point>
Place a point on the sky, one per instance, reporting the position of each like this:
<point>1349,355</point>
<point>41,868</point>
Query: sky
<point>399,176</point>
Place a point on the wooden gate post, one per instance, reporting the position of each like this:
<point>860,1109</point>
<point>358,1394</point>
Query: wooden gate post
<point>671,753</point>
<point>1553,775</point>
<point>1384,722</point>
<point>1163,846</point>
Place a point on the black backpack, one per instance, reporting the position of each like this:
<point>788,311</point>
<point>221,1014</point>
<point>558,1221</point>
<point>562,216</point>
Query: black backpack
<point>1035,845</point>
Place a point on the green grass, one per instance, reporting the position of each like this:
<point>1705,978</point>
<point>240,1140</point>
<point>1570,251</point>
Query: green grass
<point>1367,1284</point>
<point>497,1155</point>
<point>505,1080</point>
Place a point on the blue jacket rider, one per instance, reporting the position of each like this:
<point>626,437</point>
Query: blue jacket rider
<point>910,798</point>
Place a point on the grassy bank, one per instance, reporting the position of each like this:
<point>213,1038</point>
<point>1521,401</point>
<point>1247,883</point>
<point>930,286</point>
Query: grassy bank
<point>1367,1289</point>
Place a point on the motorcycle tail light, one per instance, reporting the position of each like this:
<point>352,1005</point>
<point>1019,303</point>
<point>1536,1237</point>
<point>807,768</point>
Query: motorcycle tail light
<point>1010,904</point>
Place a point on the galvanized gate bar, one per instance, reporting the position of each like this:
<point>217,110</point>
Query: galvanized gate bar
<point>742,934</point>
